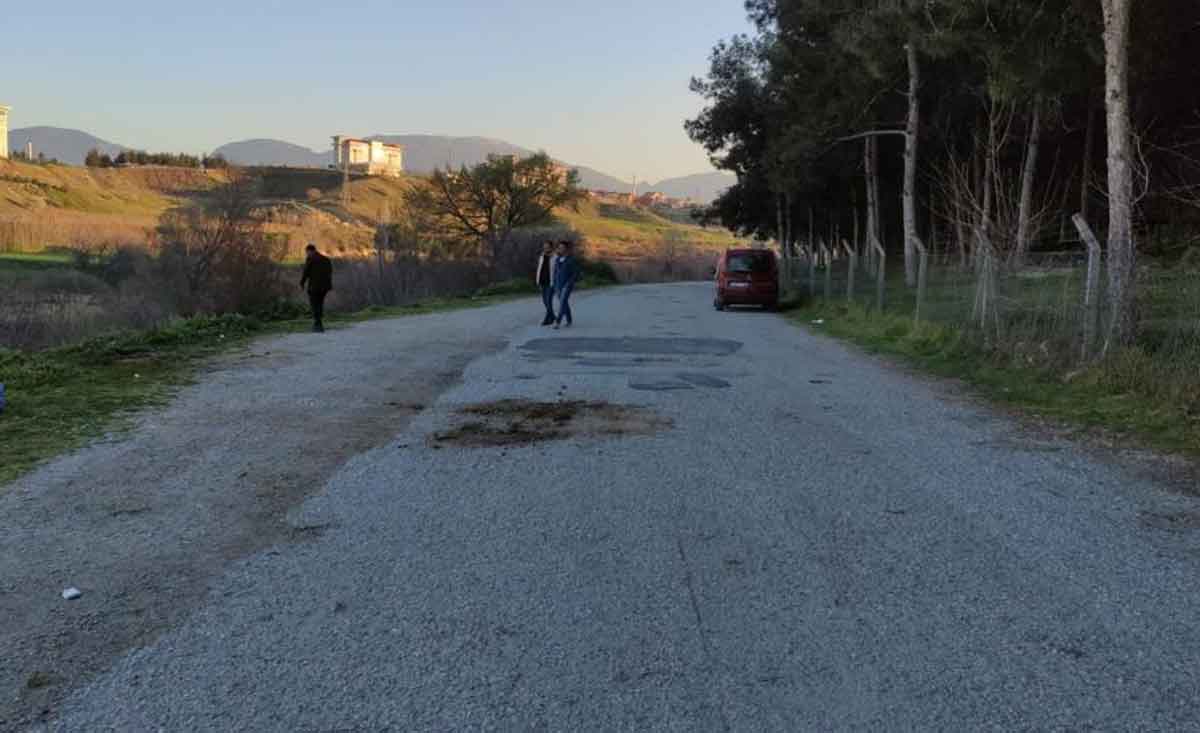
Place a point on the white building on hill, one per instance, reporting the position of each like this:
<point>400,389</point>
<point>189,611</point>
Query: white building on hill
<point>4,131</point>
<point>373,157</point>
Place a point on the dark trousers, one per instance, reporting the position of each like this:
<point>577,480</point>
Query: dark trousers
<point>564,304</point>
<point>317,300</point>
<point>548,301</point>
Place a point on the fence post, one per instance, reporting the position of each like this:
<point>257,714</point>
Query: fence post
<point>825,252</point>
<point>812,269</point>
<point>853,255</point>
<point>880,272</point>
<point>922,275</point>
<point>1091,300</point>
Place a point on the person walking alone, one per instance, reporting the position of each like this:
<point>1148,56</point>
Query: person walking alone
<point>318,279</point>
<point>545,280</point>
<point>566,274</point>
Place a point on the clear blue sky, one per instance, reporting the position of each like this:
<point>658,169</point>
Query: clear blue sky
<point>600,83</point>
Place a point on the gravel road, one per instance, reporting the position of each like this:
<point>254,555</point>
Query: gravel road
<point>787,536</point>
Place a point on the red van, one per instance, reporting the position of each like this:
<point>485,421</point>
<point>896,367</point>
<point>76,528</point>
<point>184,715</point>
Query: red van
<point>747,277</point>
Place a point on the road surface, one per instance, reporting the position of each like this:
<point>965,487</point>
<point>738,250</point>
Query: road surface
<point>732,524</point>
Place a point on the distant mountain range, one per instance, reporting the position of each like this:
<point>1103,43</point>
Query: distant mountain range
<point>68,146</point>
<point>422,154</point>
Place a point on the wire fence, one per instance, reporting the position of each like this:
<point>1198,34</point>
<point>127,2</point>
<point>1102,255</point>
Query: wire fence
<point>1045,313</point>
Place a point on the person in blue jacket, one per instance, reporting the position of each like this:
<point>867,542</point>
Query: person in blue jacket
<point>566,274</point>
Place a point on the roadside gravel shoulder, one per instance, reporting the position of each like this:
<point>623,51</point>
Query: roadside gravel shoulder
<point>142,521</point>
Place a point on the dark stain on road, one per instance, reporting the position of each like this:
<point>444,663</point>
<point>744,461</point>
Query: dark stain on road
<point>664,385</point>
<point>703,380</point>
<point>573,347</point>
<point>524,422</point>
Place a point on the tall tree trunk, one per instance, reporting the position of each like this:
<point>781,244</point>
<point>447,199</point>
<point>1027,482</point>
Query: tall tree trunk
<point>1028,177</point>
<point>871,168</point>
<point>960,231</point>
<point>988,183</point>
<point>911,134</point>
<point>1089,152</point>
<point>1122,288</point>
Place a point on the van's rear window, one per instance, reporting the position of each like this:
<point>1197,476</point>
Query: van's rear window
<point>749,262</point>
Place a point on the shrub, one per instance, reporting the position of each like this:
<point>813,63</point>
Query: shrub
<point>217,257</point>
<point>359,284</point>
<point>113,265</point>
<point>515,286</point>
<point>598,273</point>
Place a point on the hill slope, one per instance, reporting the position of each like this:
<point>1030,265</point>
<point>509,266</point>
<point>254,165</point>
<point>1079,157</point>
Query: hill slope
<point>273,152</point>
<point>67,206</point>
<point>423,154</point>
<point>703,187</point>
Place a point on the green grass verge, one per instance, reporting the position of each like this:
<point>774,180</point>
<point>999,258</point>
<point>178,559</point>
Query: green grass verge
<point>1101,397</point>
<point>61,398</point>
<point>34,261</point>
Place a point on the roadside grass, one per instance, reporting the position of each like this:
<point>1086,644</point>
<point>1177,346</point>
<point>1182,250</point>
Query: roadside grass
<point>34,260</point>
<point>1131,397</point>
<point>60,399</point>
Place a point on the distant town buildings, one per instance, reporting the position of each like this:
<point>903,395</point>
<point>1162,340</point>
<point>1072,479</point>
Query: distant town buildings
<point>372,157</point>
<point>4,131</point>
<point>651,200</point>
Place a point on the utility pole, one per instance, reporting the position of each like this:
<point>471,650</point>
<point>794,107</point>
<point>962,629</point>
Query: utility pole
<point>383,236</point>
<point>345,178</point>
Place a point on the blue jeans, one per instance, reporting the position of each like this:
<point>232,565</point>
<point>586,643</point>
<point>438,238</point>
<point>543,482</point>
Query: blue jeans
<point>548,301</point>
<point>564,304</point>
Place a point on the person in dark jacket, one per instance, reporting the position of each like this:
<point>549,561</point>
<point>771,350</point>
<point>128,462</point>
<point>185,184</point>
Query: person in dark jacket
<point>545,280</point>
<point>566,274</point>
<point>318,280</point>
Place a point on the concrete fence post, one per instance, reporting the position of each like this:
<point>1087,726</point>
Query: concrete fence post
<point>827,255</point>
<point>853,256</point>
<point>1091,296</point>
<point>812,269</point>
<point>922,276</point>
<point>880,272</point>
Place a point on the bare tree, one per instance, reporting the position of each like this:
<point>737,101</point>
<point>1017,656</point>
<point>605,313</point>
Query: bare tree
<point>486,202</point>
<point>218,252</point>
<point>1028,174</point>
<point>871,169</point>
<point>912,133</point>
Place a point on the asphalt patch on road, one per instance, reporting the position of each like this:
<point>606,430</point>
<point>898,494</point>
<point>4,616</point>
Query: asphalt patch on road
<point>1171,521</point>
<point>526,422</point>
<point>574,347</point>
